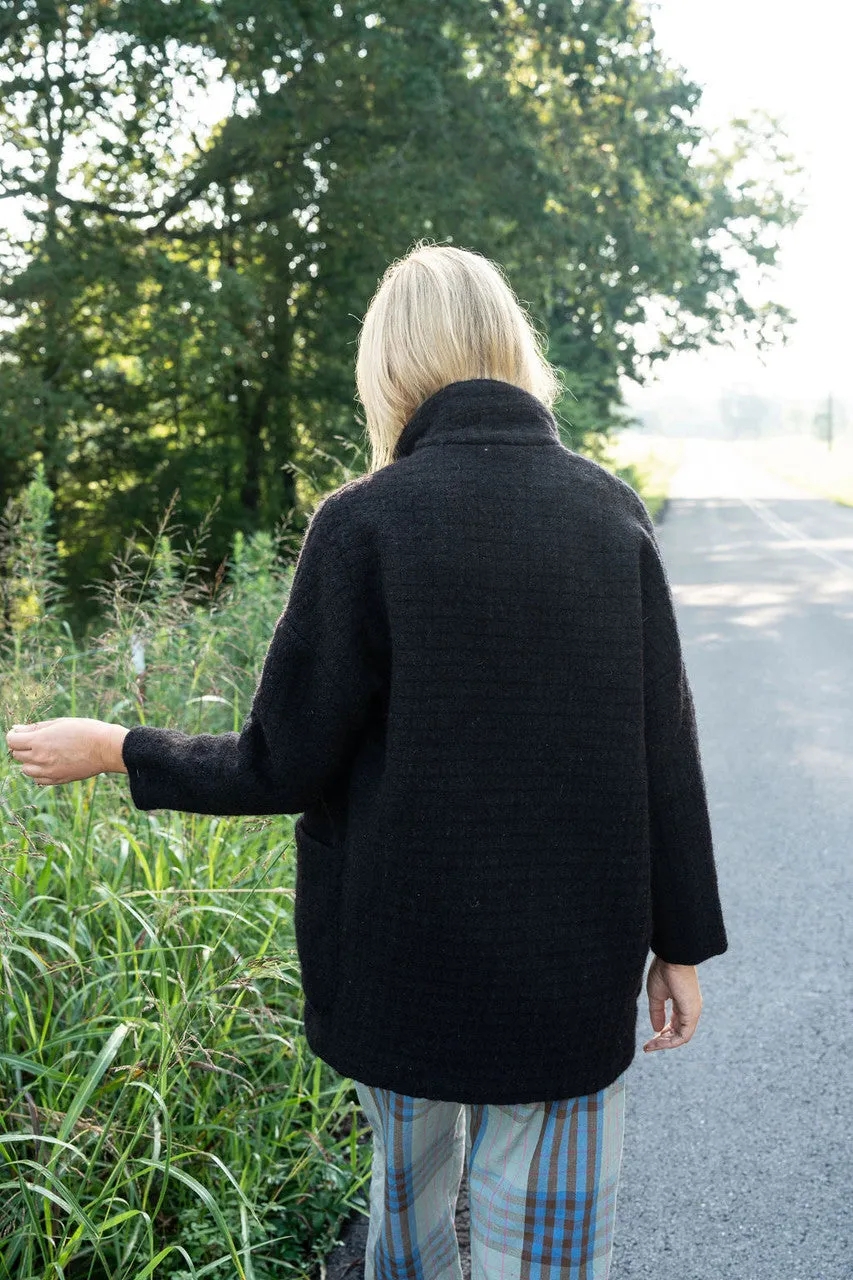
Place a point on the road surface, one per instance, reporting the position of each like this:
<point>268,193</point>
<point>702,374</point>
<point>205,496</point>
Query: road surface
<point>738,1157</point>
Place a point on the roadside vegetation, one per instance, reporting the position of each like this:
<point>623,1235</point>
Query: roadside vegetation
<point>647,462</point>
<point>160,1111</point>
<point>807,462</point>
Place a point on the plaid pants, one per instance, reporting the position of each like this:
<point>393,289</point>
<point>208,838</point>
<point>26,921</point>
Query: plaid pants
<point>542,1184</point>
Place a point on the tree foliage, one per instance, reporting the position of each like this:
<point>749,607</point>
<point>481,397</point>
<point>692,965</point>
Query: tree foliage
<point>212,191</point>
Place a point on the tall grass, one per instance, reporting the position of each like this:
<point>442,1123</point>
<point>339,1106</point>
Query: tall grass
<point>160,1111</point>
<point>646,462</point>
<point>807,462</point>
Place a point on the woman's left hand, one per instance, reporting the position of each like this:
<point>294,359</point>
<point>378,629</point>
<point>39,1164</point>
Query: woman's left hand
<point>67,749</point>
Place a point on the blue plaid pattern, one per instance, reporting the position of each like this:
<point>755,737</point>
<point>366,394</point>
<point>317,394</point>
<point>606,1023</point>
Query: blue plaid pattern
<point>542,1186</point>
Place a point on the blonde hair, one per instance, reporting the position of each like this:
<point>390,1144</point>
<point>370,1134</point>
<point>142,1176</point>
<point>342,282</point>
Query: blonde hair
<point>441,315</point>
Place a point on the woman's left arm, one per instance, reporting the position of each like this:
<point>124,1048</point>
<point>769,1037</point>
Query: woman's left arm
<point>67,749</point>
<point>323,673</point>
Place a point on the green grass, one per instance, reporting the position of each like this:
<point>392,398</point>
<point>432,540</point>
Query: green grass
<point>645,461</point>
<point>160,1111</point>
<point>807,462</point>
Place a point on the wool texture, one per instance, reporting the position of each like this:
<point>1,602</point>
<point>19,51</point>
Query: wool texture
<point>476,700</point>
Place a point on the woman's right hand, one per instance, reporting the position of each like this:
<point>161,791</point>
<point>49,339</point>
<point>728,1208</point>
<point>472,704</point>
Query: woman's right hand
<point>680,984</point>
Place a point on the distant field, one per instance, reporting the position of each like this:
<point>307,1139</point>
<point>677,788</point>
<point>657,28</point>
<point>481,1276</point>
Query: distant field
<point>808,462</point>
<point>646,461</point>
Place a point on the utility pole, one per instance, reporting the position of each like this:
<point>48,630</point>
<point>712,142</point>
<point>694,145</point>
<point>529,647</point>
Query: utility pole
<point>824,421</point>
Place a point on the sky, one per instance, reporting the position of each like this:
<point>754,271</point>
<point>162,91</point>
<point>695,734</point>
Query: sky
<point>794,61</point>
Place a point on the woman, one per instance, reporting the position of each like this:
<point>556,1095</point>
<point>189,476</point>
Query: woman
<point>476,700</point>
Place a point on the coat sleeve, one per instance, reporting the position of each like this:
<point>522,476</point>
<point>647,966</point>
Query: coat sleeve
<point>321,678</point>
<point>687,919</point>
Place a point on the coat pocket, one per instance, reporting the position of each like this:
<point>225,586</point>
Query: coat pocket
<point>316,915</point>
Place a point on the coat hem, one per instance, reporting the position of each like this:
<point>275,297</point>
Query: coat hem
<point>413,1082</point>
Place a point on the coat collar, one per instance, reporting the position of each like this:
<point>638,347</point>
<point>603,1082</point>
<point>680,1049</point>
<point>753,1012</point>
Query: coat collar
<point>478,411</point>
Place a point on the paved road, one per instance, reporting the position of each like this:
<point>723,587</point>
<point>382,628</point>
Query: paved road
<point>738,1158</point>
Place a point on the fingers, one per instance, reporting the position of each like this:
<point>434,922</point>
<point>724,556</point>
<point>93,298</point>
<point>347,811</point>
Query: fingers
<point>657,1012</point>
<point>678,984</point>
<point>20,738</point>
<point>39,776</point>
<point>63,749</point>
<point>677,1031</point>
<point>668,1038</point>
<point>24,732</point>
<point>23,744</point>
<point>34,769</point>
<point>26,743</point>
<point>36,773</point>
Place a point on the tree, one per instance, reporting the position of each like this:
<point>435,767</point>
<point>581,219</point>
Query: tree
<point>182,308</point>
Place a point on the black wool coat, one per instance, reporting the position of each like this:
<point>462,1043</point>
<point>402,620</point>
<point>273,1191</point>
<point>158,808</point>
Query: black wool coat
<point>476,700</point>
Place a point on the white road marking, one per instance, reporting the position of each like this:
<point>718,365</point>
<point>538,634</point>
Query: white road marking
<point>716,469</point>
<point>794,534</point>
